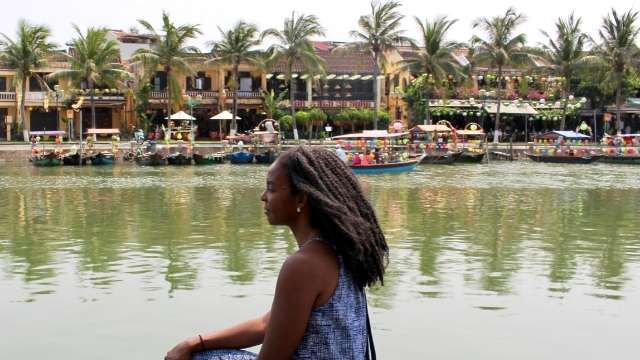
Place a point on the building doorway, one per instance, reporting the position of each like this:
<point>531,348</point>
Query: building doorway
<point>3,123</point>
<point>42,120</point>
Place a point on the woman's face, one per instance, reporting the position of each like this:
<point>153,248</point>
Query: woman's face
<point>279,203</point>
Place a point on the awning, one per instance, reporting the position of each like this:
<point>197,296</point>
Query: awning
<point>367,77</point>
<point>330,76</point>
<point>103,131</point>
<point>371,134</point>
<point>281,77</point>
<point>520,108</point>
<point>225,115</point>
<point>269,76</point>
<point>430,128</point>
<point>181,115</point>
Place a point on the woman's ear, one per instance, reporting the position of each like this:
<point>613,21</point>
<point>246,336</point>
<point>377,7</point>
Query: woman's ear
<point>301,200</point>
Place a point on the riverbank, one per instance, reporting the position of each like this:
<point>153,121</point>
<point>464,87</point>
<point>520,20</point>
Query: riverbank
<point>18,153</point>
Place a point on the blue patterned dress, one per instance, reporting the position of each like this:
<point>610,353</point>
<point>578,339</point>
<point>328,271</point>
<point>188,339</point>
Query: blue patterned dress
<point>336,330</point>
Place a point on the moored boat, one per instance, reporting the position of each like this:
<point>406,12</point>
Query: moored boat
<point>150,159</point>
<point>386,168</point>
<point>73,159</point>
<point>102,158</point>
<point>441,158</point>
<point>47,159</point>
<point>241,157</point>
<point>210,159</point>
<point>266,157</point>
<point>471,156</point>
<point>564,159</point>
<point>621,159</point>
<point>178,159</point>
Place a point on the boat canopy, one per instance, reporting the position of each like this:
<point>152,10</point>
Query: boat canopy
<point>430,128</point>
<point>470,132</point>
<point>371,134</point>
<point>103,131</point>
<point>565,134</point>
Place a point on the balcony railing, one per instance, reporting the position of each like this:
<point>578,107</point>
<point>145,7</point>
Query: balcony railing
<point>206,95</point>
<point>246,94</point>
<point>7,96</point>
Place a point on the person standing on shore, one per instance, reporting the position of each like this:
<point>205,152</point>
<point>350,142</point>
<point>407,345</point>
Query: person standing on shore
<point>319,309</point>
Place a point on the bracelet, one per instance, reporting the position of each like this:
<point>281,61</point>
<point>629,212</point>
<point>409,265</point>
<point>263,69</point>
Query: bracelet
<point>201,343</point>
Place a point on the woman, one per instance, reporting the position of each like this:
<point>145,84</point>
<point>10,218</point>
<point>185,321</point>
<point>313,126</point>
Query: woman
<point>319,309</point>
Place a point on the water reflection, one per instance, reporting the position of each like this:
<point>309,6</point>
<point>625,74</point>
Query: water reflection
<point>478,225</point>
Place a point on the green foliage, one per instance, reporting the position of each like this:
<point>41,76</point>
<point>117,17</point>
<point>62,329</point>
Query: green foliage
<point>25,55</point>
<point>169,52</point>
<point>272,103</point>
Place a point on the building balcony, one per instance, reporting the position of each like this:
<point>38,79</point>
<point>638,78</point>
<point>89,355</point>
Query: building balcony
<point>208,97</point>
<point>7,96</point>
<point>245,94</point>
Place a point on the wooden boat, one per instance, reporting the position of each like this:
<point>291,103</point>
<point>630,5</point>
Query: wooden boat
<point>564,159</point>
<point>47,159</point>
<point>210,159</point>
<point>621,159</point>
<point>150,159</point>
<point>266,157</point>
<point>471,157</point>
<point>178,159</point>
<point>102,158</point>
<point>73,159</point>
<point>441,158</point>
<point>241,157</point>
<point>388,168</point>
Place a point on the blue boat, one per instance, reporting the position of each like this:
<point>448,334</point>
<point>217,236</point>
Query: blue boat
<point>102,158</point>
<point>241,157</point>
<point>388,168</point>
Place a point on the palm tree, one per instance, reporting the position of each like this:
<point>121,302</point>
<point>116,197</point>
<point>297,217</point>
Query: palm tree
<point>271,102</point>
<point>237,46</point>
<point>169,51</point>
<point>26,54</point>
<point>566,53</point>
<point>94,63</point>
<point>436,58</point>
<point>379,32</point>
<point>501,47</point>
<point>295,47</point>
<point>617,52</point>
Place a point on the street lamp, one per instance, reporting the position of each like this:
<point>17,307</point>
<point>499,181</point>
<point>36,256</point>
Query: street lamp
<point>191,103</point>
<point>59,94</point>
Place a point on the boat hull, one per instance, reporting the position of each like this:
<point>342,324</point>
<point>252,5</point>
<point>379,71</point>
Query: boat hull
<point>73,160</point>
<point>563,159</point>
<point>389,168</point>
<point>471,157</point>
<point>241,157</point>
<point>208,160</point>
<point>179,160</point>
<point>150,160</point>
<point>441,158</point>
<point>102,159</point>
<point>46,161</point>
<point>612,159</point>
<point>266,157</point>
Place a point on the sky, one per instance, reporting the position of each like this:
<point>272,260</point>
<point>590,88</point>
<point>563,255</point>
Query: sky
<point>337,17</point>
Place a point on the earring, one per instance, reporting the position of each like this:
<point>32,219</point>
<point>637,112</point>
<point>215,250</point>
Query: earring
<point>298,210</point>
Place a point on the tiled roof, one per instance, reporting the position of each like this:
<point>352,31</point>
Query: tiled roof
<point>336,62</point>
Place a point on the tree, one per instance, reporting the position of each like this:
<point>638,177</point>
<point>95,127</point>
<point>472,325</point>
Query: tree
<point>566,54</point>
<point>436,59</point>
<point>271,102</point>
<point>236,47</point>
<point>617,52</point>
<point>379,32</point>
<point>169,51</point>
<point>25,55</point>
<point>94,63</point>
<point>294,46</point>
<point>501,47</point>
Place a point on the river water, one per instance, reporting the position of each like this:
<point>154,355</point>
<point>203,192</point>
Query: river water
<point>502,261</point>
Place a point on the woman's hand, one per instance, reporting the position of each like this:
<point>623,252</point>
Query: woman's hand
<point>182,351</point>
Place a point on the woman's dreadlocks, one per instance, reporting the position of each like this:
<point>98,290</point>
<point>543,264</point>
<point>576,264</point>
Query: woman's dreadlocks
<point>339,210</point>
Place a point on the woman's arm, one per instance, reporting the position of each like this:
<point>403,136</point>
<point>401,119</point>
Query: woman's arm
<point>296,293</point>
<point>247,334</point>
